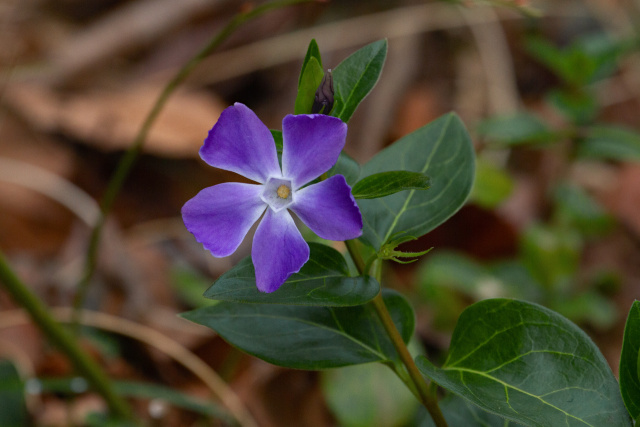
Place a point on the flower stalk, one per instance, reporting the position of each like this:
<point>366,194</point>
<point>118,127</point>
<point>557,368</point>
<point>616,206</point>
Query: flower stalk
<point>61,338</point>
<point>426,393</point>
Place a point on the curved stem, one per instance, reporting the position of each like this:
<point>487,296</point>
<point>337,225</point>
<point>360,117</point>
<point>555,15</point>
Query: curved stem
<point>61,338</point>
<point>425,393</point>
<point>126,164</point>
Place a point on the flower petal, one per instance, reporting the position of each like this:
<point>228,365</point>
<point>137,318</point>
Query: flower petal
<point>239,142</point>
<point>329,209</point>
<point>278,250</point>
<point>220,216</point>
<point>311,146</point>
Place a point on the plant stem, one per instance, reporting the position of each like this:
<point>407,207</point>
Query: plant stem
<point>425,393</point>
<point>133,152</point>
<point>86,366</point>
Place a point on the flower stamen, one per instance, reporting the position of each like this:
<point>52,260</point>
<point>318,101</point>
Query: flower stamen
<point>283,191</point>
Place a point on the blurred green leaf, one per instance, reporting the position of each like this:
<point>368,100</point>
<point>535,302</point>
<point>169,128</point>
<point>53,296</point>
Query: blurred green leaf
<point>588,307</point>
<point>630,362</point>
<point>491,186</point>
<point>515,129</point>
<point>347,167</point>
<point>530,365</point>
<point>443,150</point>
<point>610,143</point>
<point>460,412</point>
<point>323,281</point>
<point>579,107</point>
<point>576,208</point>
<point>13,409</point>
<point>386,183</point>
<point>356,76</point>
<point>309,337</point>
<point>189,285</point>
<point>368,395</point>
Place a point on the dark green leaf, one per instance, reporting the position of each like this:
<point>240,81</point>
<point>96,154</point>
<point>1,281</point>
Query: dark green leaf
<point>313,52</point>
<point>460,412</point>
<point>442,150</point>
<point>519,128</point>
<point>354,78</point>
<point>611,143</point>
<point>323,281</point>
<point>630,361</point>
<point>347,167</point>
<point>13,410</point>
<point>309,81</point>
<point>580,107</point>
<point>576,208</point>
<point>386,183</point>
<point>530,365</point>
<point>309,337</point>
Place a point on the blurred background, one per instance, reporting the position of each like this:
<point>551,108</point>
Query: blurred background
<point>549,90</point>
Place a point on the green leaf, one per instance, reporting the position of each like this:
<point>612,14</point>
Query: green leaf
<point>441,149</point>
<point>347,167</point>
<point>516,129</point>
<point>354,78</point>
<point>14,410</point>
<point>611,143</point>
<point>277,137</point>
<point>310,79</point>
<point>491,186</point>
<point>313,52</point>
<point>578,106</point>
<point>630,361</point>
<point>368,395</point>
<point>309,337</point>
<point>576,208</point>
<point>530,365</point>
<point>387,183</point>
<point>459,412</point>
<point>323,281</point>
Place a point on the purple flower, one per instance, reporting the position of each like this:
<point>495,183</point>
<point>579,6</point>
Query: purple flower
<point>220,216</point>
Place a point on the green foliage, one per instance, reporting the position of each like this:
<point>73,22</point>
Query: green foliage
<point>355,77</point>
<point>460,412</point>
<point>577,209</point>
<point>310,78</point>
<point>630,362</point>
<point>323,281</point>
<point>515,129</point>
<point>347,167</point>
<point>610,143</point>
<point>441,149</point>
<point>491,186</point>
<point>387,183</point>
<point>309,337</point>
<point>530,365</point>
<point>368,396</point>
<point>14,409</point>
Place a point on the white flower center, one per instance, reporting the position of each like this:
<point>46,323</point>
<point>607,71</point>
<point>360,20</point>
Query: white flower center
<point>277,193</point>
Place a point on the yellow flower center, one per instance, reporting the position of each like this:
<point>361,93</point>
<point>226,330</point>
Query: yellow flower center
<point>283,191</point>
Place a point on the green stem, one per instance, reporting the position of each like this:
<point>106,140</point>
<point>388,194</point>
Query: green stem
<point>133,152</point>
<point>86,366</point>
<point>425,393</point>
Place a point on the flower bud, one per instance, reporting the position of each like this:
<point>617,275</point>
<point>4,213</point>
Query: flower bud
<point>323,101</point>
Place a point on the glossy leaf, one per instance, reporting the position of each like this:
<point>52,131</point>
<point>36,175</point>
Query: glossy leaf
<point>611,143</point>
<point>347,167</point>
<point>354,78</point>
<point>387,183</point>
<point>323,281</point>
<point>515,129</point>
<point>630,361</point>
<point>459,412</point>
<point>442,150</point>
<point>530,365</point>
<point>309,337</point>
<point>310,79</point>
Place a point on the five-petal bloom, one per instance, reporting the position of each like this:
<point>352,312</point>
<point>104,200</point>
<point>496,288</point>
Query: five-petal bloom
<point>220,216</point>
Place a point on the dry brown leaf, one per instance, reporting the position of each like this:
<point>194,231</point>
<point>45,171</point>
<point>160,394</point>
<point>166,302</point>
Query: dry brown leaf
<point>111,119</point>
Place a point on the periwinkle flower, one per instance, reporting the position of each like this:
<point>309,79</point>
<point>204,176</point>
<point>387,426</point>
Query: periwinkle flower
<point>220,216</point>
